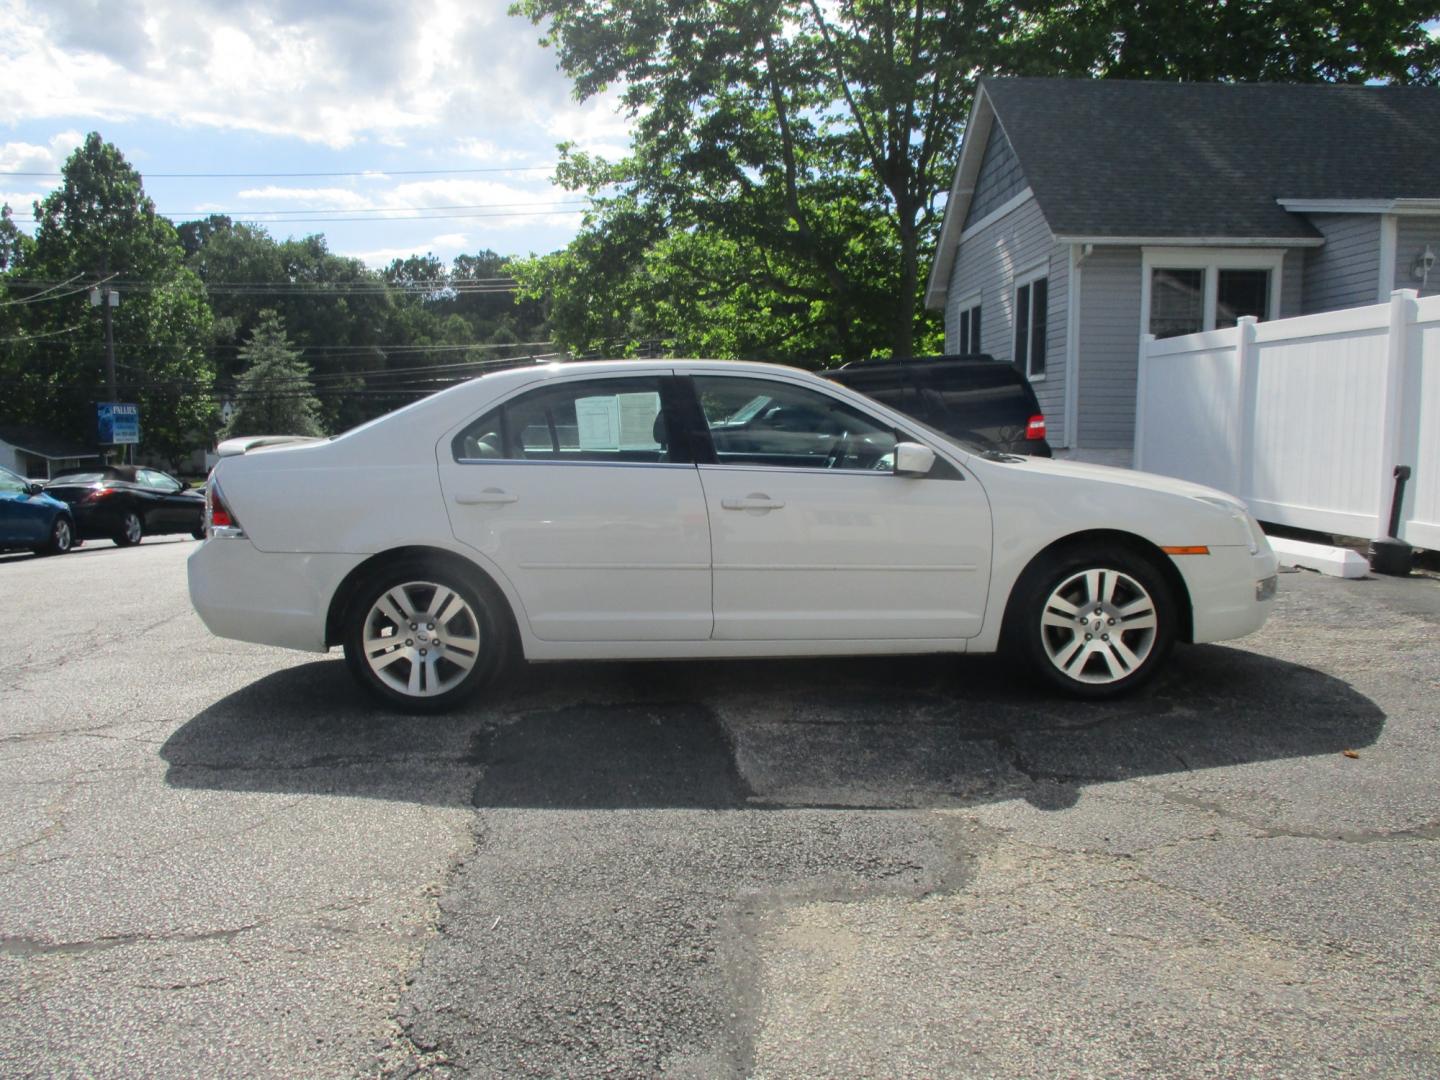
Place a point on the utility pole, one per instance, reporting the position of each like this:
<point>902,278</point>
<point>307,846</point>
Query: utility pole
<point>106,297</point>
<point>112,298</point>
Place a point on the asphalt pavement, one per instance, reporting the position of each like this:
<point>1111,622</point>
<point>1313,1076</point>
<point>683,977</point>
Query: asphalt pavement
<point>220,859</point>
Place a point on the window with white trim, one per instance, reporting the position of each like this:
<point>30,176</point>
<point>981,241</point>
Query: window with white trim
<point>969,338</point>
<point>1190,290</point>
<point>1032,298</point>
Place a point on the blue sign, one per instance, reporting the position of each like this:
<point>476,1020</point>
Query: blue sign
<point>119,422</point>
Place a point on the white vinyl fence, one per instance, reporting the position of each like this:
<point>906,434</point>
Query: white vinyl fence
<point>1305,419</point>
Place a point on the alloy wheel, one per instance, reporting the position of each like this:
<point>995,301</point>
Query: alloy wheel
<point>421,638</point>
<point>1098,626</point>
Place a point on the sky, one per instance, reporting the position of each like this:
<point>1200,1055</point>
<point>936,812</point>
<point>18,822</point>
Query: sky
<point>423,103</point>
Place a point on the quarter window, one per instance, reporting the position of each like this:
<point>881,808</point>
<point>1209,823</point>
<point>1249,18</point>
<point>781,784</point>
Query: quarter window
<point>760,422</point>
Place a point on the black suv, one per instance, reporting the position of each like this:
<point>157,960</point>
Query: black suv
<point>972,398</point>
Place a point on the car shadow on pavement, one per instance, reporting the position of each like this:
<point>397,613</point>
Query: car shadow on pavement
<point>876,732</point>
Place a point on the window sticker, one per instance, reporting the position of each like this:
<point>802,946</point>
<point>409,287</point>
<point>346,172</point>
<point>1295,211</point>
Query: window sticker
<point>618,421</point>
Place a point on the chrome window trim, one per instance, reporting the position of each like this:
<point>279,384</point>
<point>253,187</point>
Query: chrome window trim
<point>574,464</point>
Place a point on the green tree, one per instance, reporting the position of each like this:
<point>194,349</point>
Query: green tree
<point>14,244</point>
<point>274,394</point>
<point>99,226</point>
<point>799,152</point>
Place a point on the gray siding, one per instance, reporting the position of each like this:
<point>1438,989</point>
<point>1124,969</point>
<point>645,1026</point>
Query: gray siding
<point>1109,348</point>
<point>1292,281</point>
<point>1412,234</point>
<point>986,264</point>
<point>1346,271</point>
<point>1000,176</point>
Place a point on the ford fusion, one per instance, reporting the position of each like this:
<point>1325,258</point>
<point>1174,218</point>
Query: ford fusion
<point>630,510</point>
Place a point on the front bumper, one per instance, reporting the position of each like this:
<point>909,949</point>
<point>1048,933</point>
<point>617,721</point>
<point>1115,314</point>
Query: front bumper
<point>1232,592</point>
<point>268,598</point>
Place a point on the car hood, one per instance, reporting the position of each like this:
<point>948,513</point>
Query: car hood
<point>1110,474</point>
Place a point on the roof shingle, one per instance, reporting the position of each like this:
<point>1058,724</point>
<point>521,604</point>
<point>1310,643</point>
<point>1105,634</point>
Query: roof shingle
<point>1119,158</point>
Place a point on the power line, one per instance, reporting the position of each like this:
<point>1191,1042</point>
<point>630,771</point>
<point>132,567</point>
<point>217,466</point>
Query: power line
<point>376,173</point>
<point>247,217</point>
<point>41,295</point>
<point>35,337</point>
<point>372,209</point>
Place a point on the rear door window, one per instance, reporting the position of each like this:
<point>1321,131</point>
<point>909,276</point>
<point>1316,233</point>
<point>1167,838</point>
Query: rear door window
<point>615,420</point>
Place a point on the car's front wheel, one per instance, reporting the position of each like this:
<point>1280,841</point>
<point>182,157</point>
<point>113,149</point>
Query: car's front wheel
<point>1094,622</point>
<point>130,531</point>
<point>423,638</point>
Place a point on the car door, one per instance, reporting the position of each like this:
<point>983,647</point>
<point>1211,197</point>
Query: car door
<point>23,519</point>
<point>814,536</point>
<point>175,510</point>
<point>576,491</point>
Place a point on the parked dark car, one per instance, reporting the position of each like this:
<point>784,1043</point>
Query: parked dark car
<point>31,519</point>
<point>125,502</point>
<point>973,398</point>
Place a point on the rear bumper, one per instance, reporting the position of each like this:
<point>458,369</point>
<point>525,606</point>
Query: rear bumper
<point>268,598</point>
<point>1231,591</point>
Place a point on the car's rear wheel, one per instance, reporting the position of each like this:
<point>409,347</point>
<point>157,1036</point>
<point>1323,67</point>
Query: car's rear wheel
<point>423,638</point>
<point>1094,622</point>
<point>62,537</point>
<point>130,531</point>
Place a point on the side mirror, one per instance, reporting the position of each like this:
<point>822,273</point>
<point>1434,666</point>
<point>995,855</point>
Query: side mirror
<point>34,489</point>
<point>913,459</point>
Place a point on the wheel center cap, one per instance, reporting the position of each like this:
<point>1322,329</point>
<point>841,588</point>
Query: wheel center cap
<point>423,636</point>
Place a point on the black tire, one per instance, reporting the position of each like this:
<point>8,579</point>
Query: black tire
<point>198,534</point>
<point>131,530</point>
<point>62,537</point>
<point>395,673</point>
<point>1113,642</point>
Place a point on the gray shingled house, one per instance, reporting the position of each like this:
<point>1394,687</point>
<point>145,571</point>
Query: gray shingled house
<point>1086,213</point>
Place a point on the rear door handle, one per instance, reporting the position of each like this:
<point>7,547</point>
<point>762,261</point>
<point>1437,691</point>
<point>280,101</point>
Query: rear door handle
<point>752,502</point>
<point>488,497</point>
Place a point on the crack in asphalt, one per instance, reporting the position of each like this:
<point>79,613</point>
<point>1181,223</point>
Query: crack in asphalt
<point>25,947</point>
<point>1426,831</point>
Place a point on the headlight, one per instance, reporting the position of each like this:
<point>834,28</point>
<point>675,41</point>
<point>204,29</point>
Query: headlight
<point>1250,528</point>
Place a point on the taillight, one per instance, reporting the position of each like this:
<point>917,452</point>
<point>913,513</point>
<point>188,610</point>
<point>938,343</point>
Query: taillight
<point>217,514</point>
<point>97,493</point>
<point>1035,429</point>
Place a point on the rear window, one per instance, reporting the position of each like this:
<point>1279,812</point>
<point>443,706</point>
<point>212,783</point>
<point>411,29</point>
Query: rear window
<point>79,478</point>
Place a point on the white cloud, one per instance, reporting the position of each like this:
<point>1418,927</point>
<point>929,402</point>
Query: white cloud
<point>17,157</point>
<point>445,247</point>
<point>28,157</point>
<point>331,72</point>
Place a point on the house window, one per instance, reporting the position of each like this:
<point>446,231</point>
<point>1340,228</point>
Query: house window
<point>970,329</point>
<point>1177,302</point>
<point>1194,289</point>
<point>1031,302</point>
<point>1239,293</point>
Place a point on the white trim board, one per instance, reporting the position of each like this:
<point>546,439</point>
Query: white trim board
<point>1407,207</point>
<point>1389,242</point>
<point>1009,206</point>
<point>1196,241</point>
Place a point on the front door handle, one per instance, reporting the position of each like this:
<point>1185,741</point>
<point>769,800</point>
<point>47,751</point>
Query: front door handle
<point>754,501</point>
<point>488,497</point>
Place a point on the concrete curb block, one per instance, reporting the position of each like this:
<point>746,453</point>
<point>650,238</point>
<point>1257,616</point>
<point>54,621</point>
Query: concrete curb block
<point>1335,561</point>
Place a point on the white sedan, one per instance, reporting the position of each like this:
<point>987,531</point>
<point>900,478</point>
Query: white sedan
<point>631,510</point>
